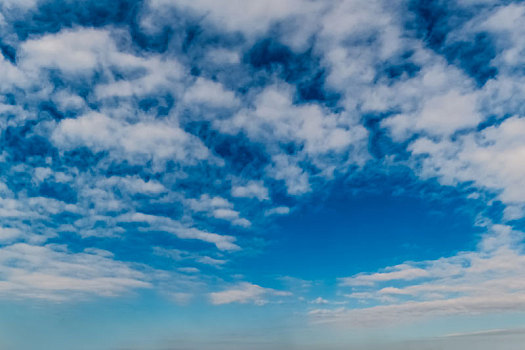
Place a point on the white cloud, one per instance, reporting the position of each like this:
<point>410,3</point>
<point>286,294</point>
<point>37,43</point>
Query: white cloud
<point>331,141</point>
<point>400,272</point>
<point>253,189</point>
<point>68,101</point>
<point>488,280</point>
<point>355,36</point>
<point>319,301</point>
<point>282,210</point>
<point>133,185</point>
<point>394,314</point>
<point>206,260</point>
<point>218,208</point>
<point>85,50</point>
<point>506,24</point>
<point>161,223</point>
<point>490,158</point>
<point>158,74</point>
<point>223,56</point>
<point>136,142</point>
<point>274,117</point>
<point>250,17</point>
<point>439,115</point>
<point>295,178</point>
<point>12,76</point>
<point>72,51</point>
<point>210,93</point>
<point>51,272</point>
<point>243,293</point>
<point>181,255</point>
<point>10,4</point>
<point>8,234</point>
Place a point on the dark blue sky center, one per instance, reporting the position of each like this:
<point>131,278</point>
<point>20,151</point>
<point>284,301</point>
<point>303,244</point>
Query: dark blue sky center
<point>346,233</point>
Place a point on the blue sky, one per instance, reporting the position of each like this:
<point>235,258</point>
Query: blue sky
<point>267,174</point>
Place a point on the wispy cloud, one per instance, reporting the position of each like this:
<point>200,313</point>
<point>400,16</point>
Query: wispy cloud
<point>245,292</point>
<point>488,280</point>
<point>52,272</point>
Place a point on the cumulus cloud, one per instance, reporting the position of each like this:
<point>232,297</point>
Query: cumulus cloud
<point>210,93</point>
<point>253,189</point>
<point>137,142</point>
<point>490,158</point>
<point>439,116</point>
<point>75,52</point>
<point>275,118</point>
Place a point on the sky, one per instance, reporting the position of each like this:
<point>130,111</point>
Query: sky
<point>264,174</point>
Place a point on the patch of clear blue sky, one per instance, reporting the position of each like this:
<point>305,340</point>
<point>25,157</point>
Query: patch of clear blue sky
<point>356,225</point>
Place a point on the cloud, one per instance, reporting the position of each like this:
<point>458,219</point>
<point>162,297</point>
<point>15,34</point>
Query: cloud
<point>243,293</point>
<point>506,22</point>
<point>8,234</point>
<point>218,208</point>
<point>276,118</point>
<point>489,158</point>
<point>161,223</point>
<point>401,272</point>
<point>135,185</point>
<point>282,210</point>
<point>75,52</point>
<point>252,17</point>
<point>488,280</point>
<point>181,255</point>
<point>52,272</point>
<point>223,56</point>
<point>440,115</point>
<point>210,93</point>
<point>319,301</point>
<point>295,178</point>
<point>390,314</point>
<point>137,142</point>
<point>253,189</point>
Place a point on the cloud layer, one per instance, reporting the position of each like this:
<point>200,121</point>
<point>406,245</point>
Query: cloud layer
<point>169,135</point>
